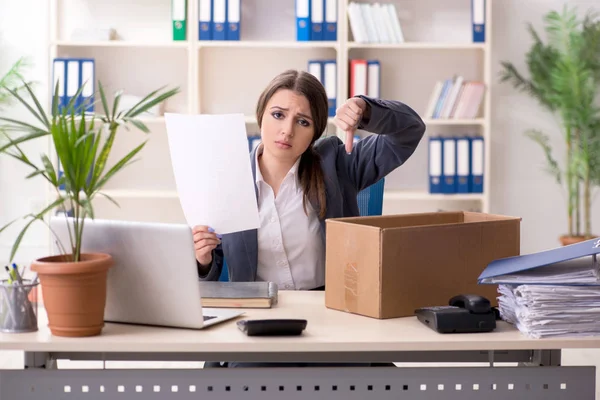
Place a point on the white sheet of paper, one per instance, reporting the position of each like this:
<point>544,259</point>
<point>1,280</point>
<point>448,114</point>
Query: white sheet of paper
<point>211,165</point>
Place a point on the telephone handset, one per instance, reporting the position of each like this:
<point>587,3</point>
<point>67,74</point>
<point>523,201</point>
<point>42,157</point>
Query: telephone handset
<point>474,303</point>
<point>464,313</point>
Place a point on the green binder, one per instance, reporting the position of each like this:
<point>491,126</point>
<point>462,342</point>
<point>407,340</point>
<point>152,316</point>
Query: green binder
<point>179,16</point>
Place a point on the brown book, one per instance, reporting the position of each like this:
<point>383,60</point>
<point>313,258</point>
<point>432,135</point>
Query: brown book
<point>238,294</point>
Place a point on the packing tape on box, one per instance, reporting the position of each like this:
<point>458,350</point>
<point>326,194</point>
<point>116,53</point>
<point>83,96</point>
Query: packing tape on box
<point>350,287</point>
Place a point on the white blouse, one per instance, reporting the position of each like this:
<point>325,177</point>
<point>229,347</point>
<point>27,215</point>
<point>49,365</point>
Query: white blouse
<point>291,251</point>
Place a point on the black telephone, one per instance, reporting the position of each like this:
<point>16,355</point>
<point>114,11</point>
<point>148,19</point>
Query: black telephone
<point>465,313</point>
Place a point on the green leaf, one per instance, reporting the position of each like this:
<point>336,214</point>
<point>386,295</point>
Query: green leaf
<point>109,198</point>
<point>543,141</point>
<point>88,207</point>
<point>22,139</point>
<point>103,156</point>
<point>39,107</point>
<point>118,166</point>
<point>38,216</point>
<point>52,176</point>
<point>139,124</point>
<point>146,106</point>
<point>39,117</point>
<point>142,101</point>
<point>19,125</point>
<point>116,101</point>
<point>35,173</point>
<point>9,224</point>
<point>103,98</point>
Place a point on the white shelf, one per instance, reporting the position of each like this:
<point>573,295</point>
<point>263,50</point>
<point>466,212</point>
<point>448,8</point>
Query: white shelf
<point>418,45</point>
<point>267,44</point>
<point>442,122</point>
<point>424,195</point>
<point>138,194</point>
<point>228,76</point>
<point>120,43</point>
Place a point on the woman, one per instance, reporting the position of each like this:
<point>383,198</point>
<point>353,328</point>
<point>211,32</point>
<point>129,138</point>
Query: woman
<point>301,181</point>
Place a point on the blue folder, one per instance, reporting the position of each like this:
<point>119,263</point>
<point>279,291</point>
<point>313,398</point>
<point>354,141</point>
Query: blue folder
<point>478,20</point>
<point>436,158</point>
<point>520,264</point>
<point>303,20</point>
<point>330,30</point>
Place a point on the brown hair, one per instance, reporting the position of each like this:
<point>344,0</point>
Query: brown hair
<point>309,171</point>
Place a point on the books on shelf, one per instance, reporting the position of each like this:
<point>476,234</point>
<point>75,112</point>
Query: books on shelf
<point>219,19</point>
<point>316,20</point>
<point>365,78</point>
<point>456,164</point>
<point>374,23</point>
<point>455,98</point>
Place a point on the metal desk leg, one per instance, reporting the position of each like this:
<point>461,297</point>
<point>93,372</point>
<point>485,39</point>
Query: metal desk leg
<point>544,358</point>
<point>39,360</point>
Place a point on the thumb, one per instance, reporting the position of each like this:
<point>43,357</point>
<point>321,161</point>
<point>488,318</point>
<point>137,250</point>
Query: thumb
<point>349,140</point>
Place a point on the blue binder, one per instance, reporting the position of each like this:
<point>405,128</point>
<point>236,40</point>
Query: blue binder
<point>59,77</point>
<point>477,164</point>
<point>87,77</point>
<point>566,255</point>
<point>478,20</point>
<point>463,165</point>
<point>315,67</point>
<point>219,18</point>
<point>449,165</point>
<point>303,22</point>
<point>435,164</point>
<point>317,14</point>
<point>331,13</point>
<point>330,83</point>
<point>205,16</point>
<point>374,78</point>
<point>234,14</point>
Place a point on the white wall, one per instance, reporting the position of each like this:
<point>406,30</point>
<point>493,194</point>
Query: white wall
<point>522,188</point>
<point>23,32</point>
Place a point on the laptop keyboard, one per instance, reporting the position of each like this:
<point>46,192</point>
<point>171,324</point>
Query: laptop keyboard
<point>207,317</point>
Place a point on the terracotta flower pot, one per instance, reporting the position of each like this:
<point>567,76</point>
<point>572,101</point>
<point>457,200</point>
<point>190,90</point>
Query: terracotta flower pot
<point>566,240</point>
<point>74,293</point>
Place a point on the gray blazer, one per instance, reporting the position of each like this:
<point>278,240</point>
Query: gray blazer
<point>398,131</point>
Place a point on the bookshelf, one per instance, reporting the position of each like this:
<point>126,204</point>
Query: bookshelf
<point>228,76</point>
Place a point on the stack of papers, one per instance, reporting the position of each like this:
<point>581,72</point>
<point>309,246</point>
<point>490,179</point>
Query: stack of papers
<point>551,293</point>
<point>551,310</point>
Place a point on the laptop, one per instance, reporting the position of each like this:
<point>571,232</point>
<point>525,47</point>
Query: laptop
<point>154,279</point>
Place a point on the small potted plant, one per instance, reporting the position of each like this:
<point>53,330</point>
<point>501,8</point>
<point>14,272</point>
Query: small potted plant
<point>565,80</point>
<point>74,283</point>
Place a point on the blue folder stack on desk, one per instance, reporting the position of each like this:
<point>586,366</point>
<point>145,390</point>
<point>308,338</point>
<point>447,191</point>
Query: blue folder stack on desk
<point>551,293</point>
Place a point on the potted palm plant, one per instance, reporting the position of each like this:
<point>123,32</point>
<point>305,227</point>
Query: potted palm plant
<point>74,283</point>
<point>565,80</point>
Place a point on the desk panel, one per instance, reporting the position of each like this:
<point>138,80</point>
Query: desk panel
<point>515,383</point>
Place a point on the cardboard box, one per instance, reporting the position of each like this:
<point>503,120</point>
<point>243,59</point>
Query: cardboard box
<point>388,266</point>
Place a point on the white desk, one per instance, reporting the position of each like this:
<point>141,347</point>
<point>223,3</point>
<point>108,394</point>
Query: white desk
<point>331,336</point>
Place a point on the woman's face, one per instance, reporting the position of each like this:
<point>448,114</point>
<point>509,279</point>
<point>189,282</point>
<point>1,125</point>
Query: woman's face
<point>287,125</point>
